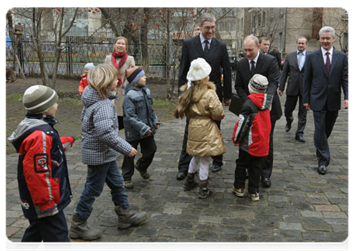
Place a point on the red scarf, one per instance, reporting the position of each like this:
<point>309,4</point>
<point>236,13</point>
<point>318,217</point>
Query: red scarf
<point>123,55</point>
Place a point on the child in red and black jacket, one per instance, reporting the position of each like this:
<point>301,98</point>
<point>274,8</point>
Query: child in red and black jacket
<point>83,82</point>
<point>42,172</point>
<point>254,144</point>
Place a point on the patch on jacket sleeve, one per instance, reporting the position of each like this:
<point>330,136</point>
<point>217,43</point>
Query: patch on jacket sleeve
<point>41,163</point>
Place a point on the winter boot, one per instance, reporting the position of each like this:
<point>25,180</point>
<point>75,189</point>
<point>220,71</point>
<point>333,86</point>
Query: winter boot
<point>80,229</point>
<point>204,192</point>
<point>126,218</point>
<point>190,183</point>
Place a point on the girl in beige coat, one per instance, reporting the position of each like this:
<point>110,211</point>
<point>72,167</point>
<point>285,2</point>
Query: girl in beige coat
<point>200,103</point>
<point>120,59</point>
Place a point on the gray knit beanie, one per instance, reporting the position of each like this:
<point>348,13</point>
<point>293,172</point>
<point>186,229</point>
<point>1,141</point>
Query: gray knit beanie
<point>39,98</point>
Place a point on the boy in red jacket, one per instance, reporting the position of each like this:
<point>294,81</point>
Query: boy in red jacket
<point>254,144</point>
<point>83,82</point>
<point>42,171</point>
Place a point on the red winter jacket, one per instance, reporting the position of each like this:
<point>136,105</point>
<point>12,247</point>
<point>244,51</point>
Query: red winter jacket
<point>256,143</point>
<point>42,170</point>
<point>83,83</point>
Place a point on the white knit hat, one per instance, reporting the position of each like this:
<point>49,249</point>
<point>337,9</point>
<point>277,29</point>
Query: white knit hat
<point>258,83</point>
<point>198,70</point>
<point>89,66</point>
<point>39,98</point>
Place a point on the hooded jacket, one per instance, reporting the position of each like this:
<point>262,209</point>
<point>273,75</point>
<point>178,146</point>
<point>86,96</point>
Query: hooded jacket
<point>256,143</point>
<point>42,171</point>
<point>99,124</point>
<point>204,136</point>
<point>139,115</point>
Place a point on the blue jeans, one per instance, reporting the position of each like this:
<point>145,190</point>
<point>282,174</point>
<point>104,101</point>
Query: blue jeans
<point>96,177</point>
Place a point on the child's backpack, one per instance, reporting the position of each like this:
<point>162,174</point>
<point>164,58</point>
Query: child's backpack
<point>243,126</point>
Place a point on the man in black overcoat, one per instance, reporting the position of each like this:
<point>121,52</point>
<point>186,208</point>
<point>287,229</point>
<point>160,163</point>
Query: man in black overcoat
<point>214,51</point>
<point>256,62</point>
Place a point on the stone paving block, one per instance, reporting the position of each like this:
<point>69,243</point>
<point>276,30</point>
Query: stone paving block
<point>335,215</point>
<point>317,227</point>
<point>290,226</point>
<point>315,214</point>
<point>12,230</point>
<point>207,236</point>
<point>337,221</point>
<point>314,236</point>
<point>210,219</point>
<point>327,208</point>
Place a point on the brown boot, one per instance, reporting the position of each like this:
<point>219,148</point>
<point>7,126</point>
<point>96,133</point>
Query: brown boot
<point>190,183</point>
<point>204,192</point>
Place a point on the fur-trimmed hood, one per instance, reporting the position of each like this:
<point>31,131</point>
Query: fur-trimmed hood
<point>199,89</point>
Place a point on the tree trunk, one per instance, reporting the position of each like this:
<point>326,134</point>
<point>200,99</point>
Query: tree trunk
<point>144,41</point>
<point>36,26</point>
<point>168,66</point>
<point>107,15</point>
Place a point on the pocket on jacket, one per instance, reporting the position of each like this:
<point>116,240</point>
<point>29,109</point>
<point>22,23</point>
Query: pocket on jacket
<point>139,102</point>
<point>198,132</point>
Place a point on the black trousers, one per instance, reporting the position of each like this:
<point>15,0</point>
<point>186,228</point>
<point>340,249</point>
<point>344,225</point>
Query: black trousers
<point>48,229</point>
<point>253,164</point>
<point>290,105</point>
<point>185,158</point>
<point>324,122</point>
<point>267,162</point>
<point>148,149</point>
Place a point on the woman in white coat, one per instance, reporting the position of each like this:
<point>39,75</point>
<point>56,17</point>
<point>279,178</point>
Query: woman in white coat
<point>120,59</point>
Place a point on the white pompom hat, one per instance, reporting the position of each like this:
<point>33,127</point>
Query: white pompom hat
<point>198,70</point>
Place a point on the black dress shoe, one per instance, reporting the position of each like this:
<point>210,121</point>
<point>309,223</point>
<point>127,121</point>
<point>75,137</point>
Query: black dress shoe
<point>287,126</point>
<point>181,175</point>
<point>266,183</point>
<point>322,170</point>
<point>216,168</point>
<point>300,138</point>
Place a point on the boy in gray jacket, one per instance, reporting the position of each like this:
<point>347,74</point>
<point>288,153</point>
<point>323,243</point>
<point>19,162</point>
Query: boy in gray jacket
<point>140,123</point>
<point>101,146</point>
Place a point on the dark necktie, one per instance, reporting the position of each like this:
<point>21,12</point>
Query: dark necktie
<point>253,69</point>
<point>206,47</point>
<point>328,64</point>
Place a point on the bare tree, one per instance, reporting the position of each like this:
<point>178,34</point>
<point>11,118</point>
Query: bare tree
<point>35,18</point>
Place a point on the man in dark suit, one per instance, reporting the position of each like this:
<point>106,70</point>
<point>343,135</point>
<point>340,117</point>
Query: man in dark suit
<point>276,54</point>
<point>215,53</point>
<point>294,69</point>
<point>326,72</point>
<point>266,65</point>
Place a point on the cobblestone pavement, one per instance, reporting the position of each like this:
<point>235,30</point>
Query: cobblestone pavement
<point>301,205</point>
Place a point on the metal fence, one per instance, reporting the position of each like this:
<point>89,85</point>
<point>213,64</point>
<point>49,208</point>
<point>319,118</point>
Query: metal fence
<point>75,55</point>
